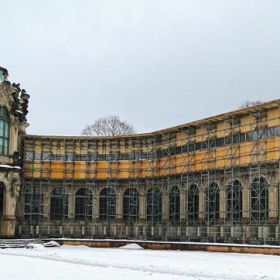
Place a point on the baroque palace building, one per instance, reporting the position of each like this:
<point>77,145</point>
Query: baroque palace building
<point>215,179</point>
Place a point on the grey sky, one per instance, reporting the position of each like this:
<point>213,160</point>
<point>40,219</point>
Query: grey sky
<point>156,63</point>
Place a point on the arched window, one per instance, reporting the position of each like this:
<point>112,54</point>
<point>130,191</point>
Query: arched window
<point>83,204</point>
<point>131,205</point>
<point>107,204</point>
<point>259,200</point>
<point>154,205</point>
<point>4,131</point>
<point>2,187</point>
<point>33,202</point>
<point>193,203</point>
<point>59,204</point>
<point>174,205</point>
<point>234,201</point>
<point>212,200</point>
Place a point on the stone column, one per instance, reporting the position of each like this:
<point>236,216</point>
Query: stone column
<point>95,205</point>
<point>8,219</point>
<point>46,204</point>
<point>245,200</point>
<point>183,206</point>
<point>11,195</point>
<point>119,205</point>
<point>273,199</point>
<point>142,206</point>
<point>222,203</point>
<point>165,205</point>
<point>201,203</point>
<point>71,204</point>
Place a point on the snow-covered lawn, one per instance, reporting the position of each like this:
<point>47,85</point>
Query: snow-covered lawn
<point>82,263</point>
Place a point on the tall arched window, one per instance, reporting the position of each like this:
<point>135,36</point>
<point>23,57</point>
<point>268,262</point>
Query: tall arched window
<point>193,203</point>
<point>59,204</point>
<point>4,131</point>
<point>33,202</point>
<point>234,201</point>
<point>131,205</point>
<point>174,205</point>
<point>154,205</point>
<point>83,204</point>
<point>107,204</point>
<point>212,202</point>
<point>259,200</point>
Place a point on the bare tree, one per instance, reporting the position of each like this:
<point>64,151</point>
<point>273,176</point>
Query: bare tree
<point>249,103</point>
<point>108,126</point>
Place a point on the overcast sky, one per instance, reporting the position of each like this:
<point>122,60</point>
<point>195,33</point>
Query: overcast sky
<point>155,63</point>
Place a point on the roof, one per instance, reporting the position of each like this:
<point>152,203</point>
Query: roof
<point>236,113</point>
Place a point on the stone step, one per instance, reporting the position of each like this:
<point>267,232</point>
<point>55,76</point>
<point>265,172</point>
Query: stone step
<point>17,243</point>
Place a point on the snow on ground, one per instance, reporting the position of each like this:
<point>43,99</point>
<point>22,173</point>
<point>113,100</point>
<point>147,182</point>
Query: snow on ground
<point>132,246</point>
<point>80,262</point>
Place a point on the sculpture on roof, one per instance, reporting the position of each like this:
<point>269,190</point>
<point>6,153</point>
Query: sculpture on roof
<point>3,74</point>
<point>20,102</point>
<point>18,99</point>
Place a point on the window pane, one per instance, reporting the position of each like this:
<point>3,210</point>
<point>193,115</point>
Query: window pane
<point>1,128</point>
<point>6,144</point>
<point>6,131</point>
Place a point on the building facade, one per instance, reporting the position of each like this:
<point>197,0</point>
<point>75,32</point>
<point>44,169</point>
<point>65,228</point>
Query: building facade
<point>13,110</point>
<point>215,179</point>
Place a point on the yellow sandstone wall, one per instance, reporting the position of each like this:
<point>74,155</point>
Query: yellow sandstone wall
<point>249,152</point>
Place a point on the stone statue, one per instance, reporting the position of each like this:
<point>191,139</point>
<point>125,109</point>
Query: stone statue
<point>13,185</point>
<point>3,74</point>
<point>20,102</point>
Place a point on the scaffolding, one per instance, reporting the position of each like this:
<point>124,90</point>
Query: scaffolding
<point>216,178</point>
<point>131,205</point>
<point>83,204</point>
<point>107,204</point>
<point>154,205</point>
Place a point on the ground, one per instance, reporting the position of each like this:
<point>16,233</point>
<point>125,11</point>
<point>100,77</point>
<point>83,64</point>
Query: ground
<point>71,263</point>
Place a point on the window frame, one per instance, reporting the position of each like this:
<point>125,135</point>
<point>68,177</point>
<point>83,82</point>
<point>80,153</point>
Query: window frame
<point>4,131</point>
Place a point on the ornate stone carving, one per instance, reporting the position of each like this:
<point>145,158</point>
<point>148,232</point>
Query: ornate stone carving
<point>3,74</point>
<point>6,98</point>
<point>14,99</point>
<point>20,102</point>
<point>12,183</point>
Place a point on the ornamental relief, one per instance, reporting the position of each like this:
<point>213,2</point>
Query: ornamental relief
<point>12,182</point>
<point>5,98</point>
<point>15,100</point>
